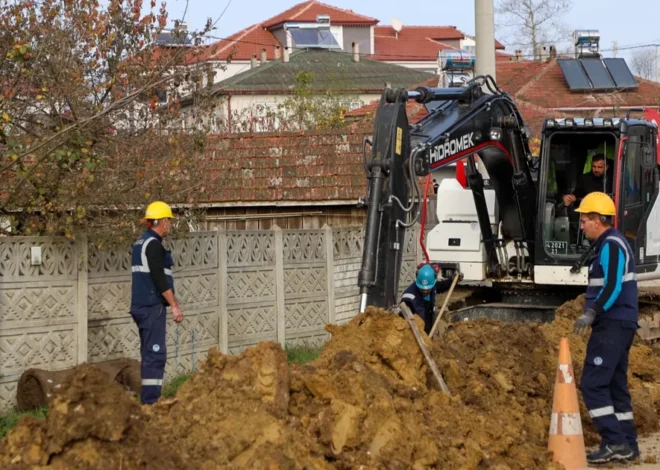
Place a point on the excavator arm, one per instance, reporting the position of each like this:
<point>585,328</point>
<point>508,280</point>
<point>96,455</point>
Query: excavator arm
<point>463,122</point>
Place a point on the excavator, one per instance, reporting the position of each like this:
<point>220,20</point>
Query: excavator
<point>502,223</point>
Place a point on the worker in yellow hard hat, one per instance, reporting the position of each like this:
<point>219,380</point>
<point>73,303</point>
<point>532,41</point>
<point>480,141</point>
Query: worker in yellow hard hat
<point>152,290</point>
<point>611,311</point>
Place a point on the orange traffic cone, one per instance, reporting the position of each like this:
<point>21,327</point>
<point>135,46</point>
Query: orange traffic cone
<point>566,441</point>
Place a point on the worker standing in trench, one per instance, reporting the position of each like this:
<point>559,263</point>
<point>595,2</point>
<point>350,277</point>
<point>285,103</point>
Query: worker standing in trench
<point>152,290</point>
<point>611,310</point>
<point>420,295</point>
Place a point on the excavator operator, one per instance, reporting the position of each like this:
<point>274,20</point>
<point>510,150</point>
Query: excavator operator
<point>420,295</point>
<point>599,179</point>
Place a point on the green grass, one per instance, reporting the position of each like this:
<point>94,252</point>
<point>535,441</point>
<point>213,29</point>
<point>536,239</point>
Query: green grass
<point>302,354</point>
<point>10,420</point>
<point>171,387</point>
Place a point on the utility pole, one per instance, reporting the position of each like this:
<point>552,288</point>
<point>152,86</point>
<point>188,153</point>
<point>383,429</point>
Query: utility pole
<point>657,65</point>
<point>614,48</point>
<point>484,25</point>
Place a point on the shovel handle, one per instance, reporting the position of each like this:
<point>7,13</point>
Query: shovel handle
<point>407,314</point>
<point>444,305</point>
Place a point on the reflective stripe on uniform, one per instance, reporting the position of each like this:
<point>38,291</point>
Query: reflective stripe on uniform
<point>601,282</point>
<point>623,247</point>
<point>408,296</point>
<point>168,272</point>
<point>143,253</point>
<point>598,412</point>
<point>624,416</point>
<point>152,382</point>
<point>140,269</point>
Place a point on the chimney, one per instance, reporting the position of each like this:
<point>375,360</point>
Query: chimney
<point>518,55</point>
<point>553,52</point>
<point>285,58</point>
<point>545,54</point>
<point>264,57</point>
<point>253,61</point>
<point>356,52</point>
<point>278,52</point>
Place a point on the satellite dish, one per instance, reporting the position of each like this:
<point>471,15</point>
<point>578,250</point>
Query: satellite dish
<point>396,25</point>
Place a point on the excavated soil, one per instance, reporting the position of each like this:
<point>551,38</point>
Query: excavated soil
<point>367,402</point>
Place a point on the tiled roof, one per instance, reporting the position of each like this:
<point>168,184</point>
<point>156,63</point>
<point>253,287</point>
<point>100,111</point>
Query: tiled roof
<point>244,44</point>
<point>286,167</point>
<point>415,43</point>
<point>547,87</point>
<point>307,11</point>
<point>332,70</point>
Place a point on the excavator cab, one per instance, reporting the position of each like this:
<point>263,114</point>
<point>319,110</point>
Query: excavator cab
<point>573,154</point>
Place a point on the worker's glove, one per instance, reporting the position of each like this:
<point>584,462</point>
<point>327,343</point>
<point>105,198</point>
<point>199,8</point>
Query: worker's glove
<point>584,322</point>
<point>460,277</point>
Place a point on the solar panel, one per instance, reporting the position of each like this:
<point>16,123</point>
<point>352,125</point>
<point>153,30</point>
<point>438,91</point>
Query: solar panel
<point>598,74</point>
<point>575,76</point>
<point>622,75</point>
<point>308,37</point>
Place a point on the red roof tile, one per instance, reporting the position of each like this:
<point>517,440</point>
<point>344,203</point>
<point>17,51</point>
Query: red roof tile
<point>244,44</point>
<point>543,84</point>
<point>307,11</point>
<point>286,167</point>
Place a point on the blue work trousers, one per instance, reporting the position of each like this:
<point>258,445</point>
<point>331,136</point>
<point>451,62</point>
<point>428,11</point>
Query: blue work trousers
<point>604,382</point>
<point>153,349</point>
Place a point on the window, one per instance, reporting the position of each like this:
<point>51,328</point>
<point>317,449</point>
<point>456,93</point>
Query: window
<point>338,33</point>
<point>632,172</point>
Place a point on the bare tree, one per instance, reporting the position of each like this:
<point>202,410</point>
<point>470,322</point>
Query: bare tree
<point>644,63</point>
<point>528,24</point>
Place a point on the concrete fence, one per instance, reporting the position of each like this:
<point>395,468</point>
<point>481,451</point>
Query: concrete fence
<point>237,288</point>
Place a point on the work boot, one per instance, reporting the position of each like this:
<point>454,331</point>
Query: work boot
<point>610,453</point>
<point>635,455</point>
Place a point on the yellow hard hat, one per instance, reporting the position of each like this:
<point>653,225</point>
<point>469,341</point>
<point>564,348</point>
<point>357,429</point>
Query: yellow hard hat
<point>158,210</point>
<point>599,203</point>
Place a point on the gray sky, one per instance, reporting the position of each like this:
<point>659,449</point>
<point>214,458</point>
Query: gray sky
<point>628,26</point>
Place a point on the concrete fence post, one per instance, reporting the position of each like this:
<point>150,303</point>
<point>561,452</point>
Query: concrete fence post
<point>279,284</point>
<point>82,289</point>
<point>223,316</point>
<point>330,272</point>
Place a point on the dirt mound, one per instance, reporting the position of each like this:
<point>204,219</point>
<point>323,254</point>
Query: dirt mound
<point>90,424</point>
<point>366,408</point>
<point>233,414</point>
<point>509,369</point>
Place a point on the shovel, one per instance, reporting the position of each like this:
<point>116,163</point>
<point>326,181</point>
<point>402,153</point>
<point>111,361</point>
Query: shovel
<point>444,305</point>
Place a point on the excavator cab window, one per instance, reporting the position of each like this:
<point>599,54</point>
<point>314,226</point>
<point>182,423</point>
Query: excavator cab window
<point>575,162</point>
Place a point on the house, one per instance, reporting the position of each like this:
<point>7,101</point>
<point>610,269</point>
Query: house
<point>409,46</point>
<point>267,97</point>
<point>419,47</point>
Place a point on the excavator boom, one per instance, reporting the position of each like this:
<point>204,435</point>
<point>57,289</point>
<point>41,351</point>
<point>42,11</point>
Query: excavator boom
<point>462,122</point>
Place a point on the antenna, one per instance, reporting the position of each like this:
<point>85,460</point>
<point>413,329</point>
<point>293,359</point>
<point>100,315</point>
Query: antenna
<point>397,26</point>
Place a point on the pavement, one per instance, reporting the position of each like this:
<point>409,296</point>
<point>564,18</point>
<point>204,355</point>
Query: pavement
<point>650,448</point>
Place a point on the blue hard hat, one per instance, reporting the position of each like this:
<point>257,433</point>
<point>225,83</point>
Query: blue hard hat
<point>426,277</point>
